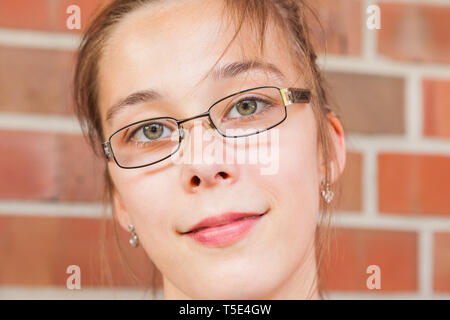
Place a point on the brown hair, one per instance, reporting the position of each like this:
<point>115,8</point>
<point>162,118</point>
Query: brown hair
<point>292,17</point>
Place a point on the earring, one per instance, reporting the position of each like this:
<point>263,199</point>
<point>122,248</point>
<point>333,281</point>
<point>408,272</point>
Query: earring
<point>133,238</point>
<point>327,194</point>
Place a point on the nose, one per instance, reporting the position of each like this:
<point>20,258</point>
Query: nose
<point>196,177</point>
<point>197,173</point>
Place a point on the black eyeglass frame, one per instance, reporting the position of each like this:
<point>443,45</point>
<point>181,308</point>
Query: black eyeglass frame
<point>289,96</point>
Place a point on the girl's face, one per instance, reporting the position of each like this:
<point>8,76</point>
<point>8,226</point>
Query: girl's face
<point>169,50</point>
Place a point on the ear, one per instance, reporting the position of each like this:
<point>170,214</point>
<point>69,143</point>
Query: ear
<point>337,140</point>
<point>121,213</point>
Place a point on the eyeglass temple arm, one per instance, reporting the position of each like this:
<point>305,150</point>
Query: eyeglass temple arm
<point>295,95</point>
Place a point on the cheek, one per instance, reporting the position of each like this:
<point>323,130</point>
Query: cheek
<point>295,187</point>
<point>148,198</point>
<point>298,165</point>
<point>298,192</point>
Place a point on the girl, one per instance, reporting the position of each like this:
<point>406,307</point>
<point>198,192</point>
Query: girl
<point>171,92</point>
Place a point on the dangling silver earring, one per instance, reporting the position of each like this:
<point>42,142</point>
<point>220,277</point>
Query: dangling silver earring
<point>133,238</point>
<point>327,194</point>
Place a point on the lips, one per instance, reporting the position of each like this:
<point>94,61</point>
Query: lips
<point>222,219</point>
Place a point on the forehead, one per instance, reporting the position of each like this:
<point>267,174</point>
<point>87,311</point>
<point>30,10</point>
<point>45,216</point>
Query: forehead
<point>172,46</point>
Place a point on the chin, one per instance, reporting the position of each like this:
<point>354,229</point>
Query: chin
<point>240,287</point>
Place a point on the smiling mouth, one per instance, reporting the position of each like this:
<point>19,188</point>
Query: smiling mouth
<point>229,222</point>
<point>225,233</point>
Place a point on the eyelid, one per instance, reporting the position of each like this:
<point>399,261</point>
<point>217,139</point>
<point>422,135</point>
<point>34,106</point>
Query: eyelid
<point>246,95</point>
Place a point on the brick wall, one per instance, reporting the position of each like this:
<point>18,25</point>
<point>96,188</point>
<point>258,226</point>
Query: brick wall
<point>393,89</point>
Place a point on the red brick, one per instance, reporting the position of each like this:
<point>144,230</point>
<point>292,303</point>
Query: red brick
<point>28,165</point>
<point>415,32</point>
<point>413,184</point>
<point>339,31</point>
<point>25,14</point>
<point>47,15</point>
<point>395,252</point>
<point>81,172</point>
<point>352,184</point>
<point>37,251</point>
<point>436,101</point>
<point>363,108</point>
<point>49,166</point>
<point>441,254</point>
<point>35,80</point>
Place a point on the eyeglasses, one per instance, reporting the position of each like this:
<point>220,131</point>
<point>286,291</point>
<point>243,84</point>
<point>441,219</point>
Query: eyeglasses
<point>240,114</point>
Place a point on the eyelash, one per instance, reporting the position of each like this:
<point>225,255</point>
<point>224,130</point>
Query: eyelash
<point>141,144</point>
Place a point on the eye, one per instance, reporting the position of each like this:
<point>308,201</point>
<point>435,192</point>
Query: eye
<point>248,107</point>
<point>150,132</point>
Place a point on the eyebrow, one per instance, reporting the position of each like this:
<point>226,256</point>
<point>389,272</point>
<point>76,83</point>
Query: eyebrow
<point>226,71</point>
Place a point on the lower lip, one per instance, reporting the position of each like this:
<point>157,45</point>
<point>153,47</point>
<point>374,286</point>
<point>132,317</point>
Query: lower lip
<point>225,234</point>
